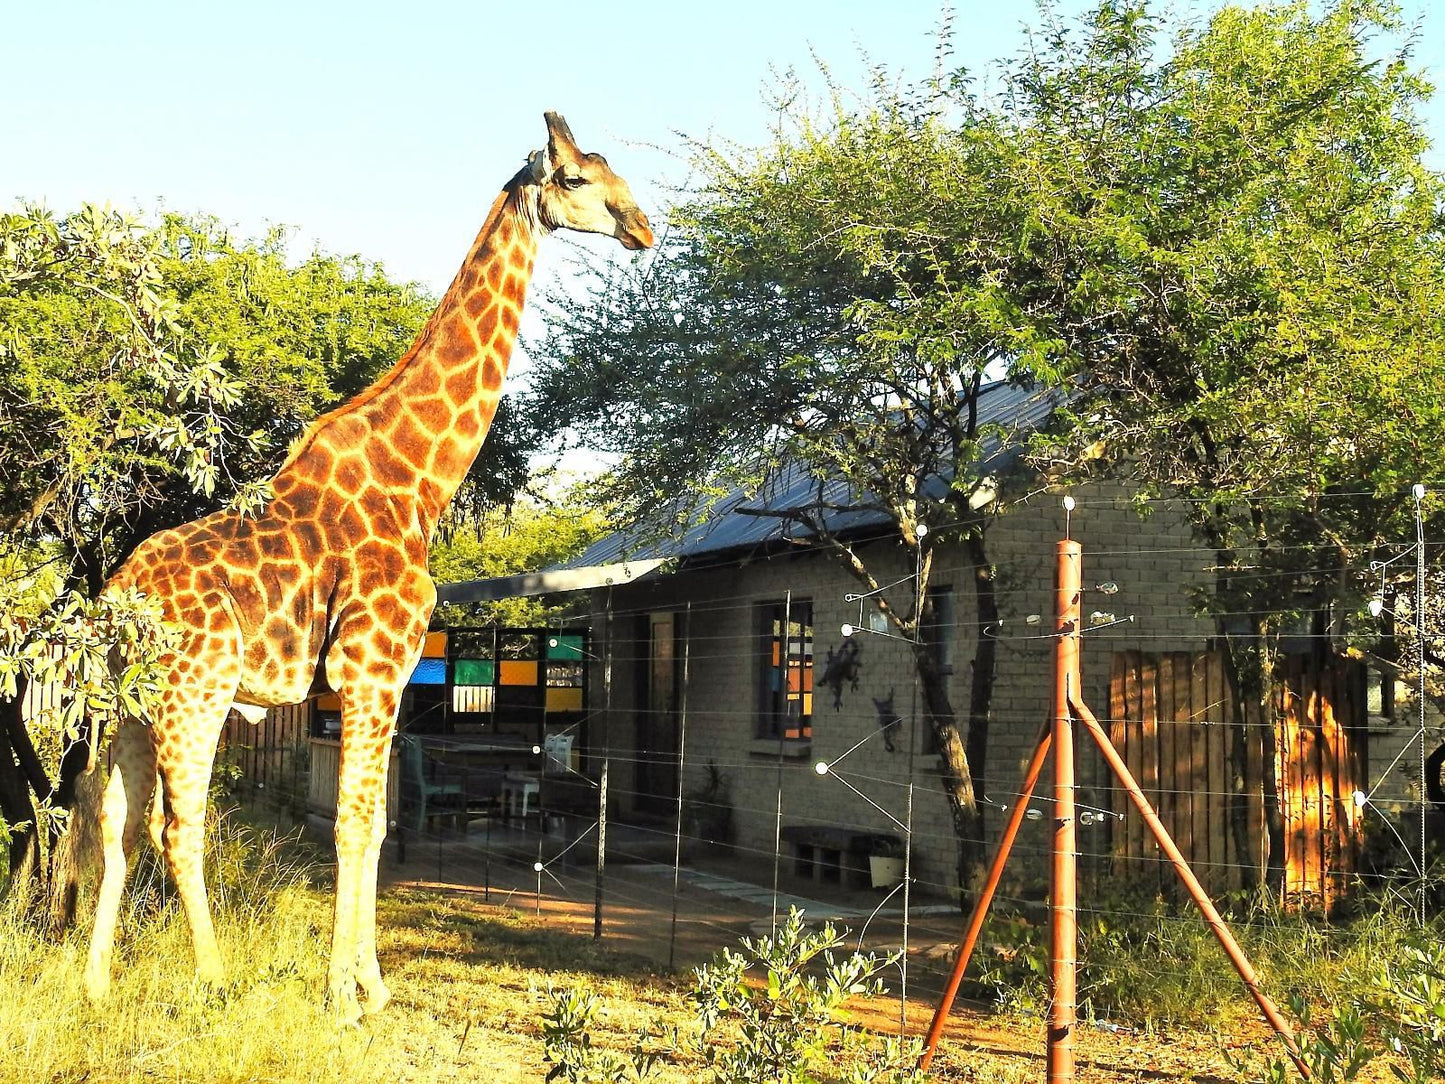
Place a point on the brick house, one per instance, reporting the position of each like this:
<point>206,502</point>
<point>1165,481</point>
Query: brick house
<point>696,656</point>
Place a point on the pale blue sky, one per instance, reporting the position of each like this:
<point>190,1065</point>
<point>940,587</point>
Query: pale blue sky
<point>385,129</point>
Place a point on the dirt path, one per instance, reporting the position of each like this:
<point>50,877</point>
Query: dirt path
<point>715,908</point>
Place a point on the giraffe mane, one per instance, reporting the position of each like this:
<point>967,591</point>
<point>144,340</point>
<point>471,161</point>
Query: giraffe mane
<point>318,424</point>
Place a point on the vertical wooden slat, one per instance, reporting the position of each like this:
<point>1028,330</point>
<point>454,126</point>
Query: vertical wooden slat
<point>1133,707</point>
<point>1256,748</point>
<point>1201,856</point>
<point>1332,702</point>
<point>1357,736</point>
<point>1220,777</point>
<point>1149,763</point>
<point>1339,866</point>
<point>1118,734</point>
<point>1286,779</point>
<point>1236,768</point>
<point>1310,748</point>
<point>1183,766</point>
<point>1168,734</point>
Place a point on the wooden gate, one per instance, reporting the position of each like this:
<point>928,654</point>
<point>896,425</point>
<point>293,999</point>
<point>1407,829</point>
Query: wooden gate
<point>1173,718</point>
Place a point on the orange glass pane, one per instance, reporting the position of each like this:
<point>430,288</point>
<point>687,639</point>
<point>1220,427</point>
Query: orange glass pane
<point>518,672</point>
<point>434,646</point>
<point>564,699</point>
<point>777,651</point>
<point>328,702</point>
<point>794,680</point>
<point>808,680</point>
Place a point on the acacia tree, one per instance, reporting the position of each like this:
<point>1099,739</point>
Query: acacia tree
<point>148,375</point>
<point>819,304</point>
<point>1218,243</point>
<point>1238,247</point>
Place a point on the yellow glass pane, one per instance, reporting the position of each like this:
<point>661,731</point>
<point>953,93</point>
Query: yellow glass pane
<point>328,702</point>
<point>473,698</point>
<point>807,703</point>
<point>518,672</point>
<point>434,646</point>
<point>564,699</point>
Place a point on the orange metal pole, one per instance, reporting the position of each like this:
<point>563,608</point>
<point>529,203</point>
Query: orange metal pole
<point>1063,901</point>
<point>985,899</point>
<point>1196,890</point>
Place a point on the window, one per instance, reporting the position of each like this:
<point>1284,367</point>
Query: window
<point>785,672</point>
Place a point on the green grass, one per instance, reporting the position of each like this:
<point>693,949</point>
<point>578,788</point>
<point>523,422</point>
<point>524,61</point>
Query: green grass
<point>468,988</point>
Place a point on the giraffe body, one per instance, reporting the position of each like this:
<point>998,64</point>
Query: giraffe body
<point>328,588</point>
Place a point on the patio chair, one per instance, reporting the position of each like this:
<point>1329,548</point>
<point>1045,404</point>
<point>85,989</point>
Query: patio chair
<point>557,754</point>
<point>437,796</point>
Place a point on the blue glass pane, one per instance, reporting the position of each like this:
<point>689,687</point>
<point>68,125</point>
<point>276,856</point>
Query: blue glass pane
<point>430,672</point>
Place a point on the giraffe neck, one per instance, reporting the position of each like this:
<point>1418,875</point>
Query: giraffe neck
<point>415,432</point>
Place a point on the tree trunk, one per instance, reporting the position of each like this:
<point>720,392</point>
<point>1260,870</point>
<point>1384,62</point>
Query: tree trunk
<point>18,810</point>
<point>958,780</point>
<point>985,663</point>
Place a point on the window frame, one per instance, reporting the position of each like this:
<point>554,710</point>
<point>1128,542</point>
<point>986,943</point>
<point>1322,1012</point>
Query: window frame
<point>779,698</point>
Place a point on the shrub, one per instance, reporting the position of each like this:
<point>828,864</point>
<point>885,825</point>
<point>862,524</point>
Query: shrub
<point>768,1012</point>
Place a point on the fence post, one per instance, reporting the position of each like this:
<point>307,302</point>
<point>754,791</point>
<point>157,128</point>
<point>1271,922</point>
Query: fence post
<point>601,849</point>
<point>1064,934</point>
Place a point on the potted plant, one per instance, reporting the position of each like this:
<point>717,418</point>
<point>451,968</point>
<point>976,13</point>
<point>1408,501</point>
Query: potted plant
<point>708,810</point>
<point>885,861</point>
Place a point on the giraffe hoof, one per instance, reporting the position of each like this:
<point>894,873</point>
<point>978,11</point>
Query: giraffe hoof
<point>97,985</point>
<point>375,998</point>
<point>344,1008</point>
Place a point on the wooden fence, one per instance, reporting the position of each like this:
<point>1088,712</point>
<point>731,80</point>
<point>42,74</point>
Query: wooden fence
<point>272,755</point>
<point>1202,762</point>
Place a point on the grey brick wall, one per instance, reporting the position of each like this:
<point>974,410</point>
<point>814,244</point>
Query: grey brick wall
<point>1153,560</point>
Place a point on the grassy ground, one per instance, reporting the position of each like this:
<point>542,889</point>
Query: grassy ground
<point>469,981</point>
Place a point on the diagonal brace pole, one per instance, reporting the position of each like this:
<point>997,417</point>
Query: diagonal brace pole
<point>985,899</point>
<point>1196,890</point>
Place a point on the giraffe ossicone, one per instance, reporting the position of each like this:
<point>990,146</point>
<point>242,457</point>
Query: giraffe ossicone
<point>327,588</point>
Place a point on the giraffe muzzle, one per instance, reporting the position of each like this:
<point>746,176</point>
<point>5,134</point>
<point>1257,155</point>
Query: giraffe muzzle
<point>634,231</point>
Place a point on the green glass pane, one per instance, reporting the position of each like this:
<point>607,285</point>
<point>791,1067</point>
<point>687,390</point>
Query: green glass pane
<point>564,647</point>
<point>474,672</point>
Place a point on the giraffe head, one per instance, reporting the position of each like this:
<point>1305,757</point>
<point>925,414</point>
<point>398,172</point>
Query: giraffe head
<point>579,191</point>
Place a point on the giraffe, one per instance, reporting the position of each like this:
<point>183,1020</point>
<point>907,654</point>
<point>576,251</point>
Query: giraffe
<point>327,588</point>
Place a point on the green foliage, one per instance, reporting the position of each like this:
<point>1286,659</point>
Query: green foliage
<point>769,1012</point>
<point>783,1011</point>
<point>528,536</point>
<point>1234,242</point>
<point>567,1042</point>
<point>151,373</point>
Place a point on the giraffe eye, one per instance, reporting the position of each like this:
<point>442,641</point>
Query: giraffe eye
<point>574,182</point>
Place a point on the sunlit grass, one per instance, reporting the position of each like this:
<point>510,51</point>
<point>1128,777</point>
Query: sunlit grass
<point>467,988</point>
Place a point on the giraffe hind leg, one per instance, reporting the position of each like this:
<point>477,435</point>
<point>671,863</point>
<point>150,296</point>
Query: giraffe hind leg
<point>132,781</point>
<point>185,770</point>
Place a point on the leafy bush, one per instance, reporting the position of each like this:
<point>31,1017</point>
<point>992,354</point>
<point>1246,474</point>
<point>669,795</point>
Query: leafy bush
<point>766,1013</point>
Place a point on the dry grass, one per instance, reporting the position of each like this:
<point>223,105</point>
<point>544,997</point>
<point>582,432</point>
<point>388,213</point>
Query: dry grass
<point>468,980</point>
<point>468,990</point>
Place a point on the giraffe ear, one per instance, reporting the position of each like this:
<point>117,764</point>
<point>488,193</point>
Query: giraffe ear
<point>541,165</point>
<point>561,147</point>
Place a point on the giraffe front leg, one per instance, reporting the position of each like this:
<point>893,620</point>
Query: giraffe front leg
<point>375,993</point>
<point>367,719</point>
<point>129,787</point>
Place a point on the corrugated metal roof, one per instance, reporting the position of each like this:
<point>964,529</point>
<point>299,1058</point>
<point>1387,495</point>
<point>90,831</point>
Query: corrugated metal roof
<point>727,526</point>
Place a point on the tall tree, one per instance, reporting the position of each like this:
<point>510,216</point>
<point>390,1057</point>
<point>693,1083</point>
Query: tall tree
<point>820,301</point>
<point>1237,245</point>
<point>1218,242</point>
